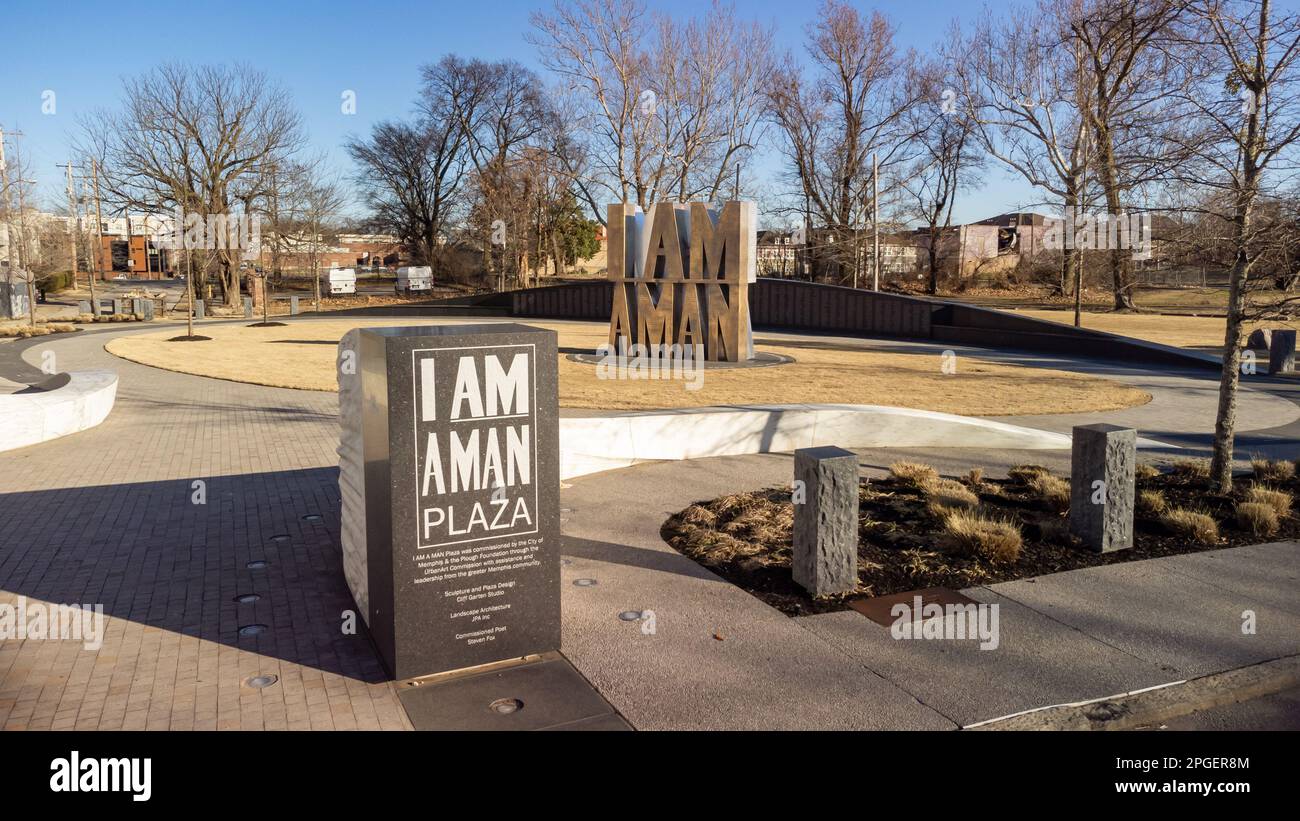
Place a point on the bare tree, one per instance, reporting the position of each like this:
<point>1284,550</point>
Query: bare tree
<point>410,174</point>
<point>833,120</point>
<point>1240,58</point>
<point>1126,71</point>
<point>948,159</point>
<point>502,112</point>
<point>598,48</point>
<point>193,137</point>
<point>1027,96</point>
<point>307,203</point>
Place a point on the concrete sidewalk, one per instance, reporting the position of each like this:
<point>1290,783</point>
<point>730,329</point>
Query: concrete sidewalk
<point>719,658</point>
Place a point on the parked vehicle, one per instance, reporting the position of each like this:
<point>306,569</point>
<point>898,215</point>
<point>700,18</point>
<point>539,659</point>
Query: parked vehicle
<point>414,279</point>
<point>342,281</point>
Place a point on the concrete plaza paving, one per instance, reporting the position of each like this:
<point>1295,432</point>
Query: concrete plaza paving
<point>109,516</point>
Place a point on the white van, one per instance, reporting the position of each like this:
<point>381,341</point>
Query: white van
<point>343,281</point>
<point>414,279</point>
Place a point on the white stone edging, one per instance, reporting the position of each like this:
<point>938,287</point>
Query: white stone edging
<point>82,403</point>
<point>590,444</point>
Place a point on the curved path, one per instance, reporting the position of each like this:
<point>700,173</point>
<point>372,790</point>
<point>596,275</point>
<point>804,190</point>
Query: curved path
<point>114,516</point>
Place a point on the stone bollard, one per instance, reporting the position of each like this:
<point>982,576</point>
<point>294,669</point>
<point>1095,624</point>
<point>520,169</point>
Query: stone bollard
<point>293,306</point>
<point>1281,353</point>
<point>198,309</point>
<point>825,556</point>
<point>1102,486</point>
<point>248,307</point>
<point>1260,339</point>
<point>119,307</point>
<point>83,307</point>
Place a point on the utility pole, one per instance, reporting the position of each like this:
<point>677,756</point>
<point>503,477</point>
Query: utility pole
<point>74,227</point>
<point>875,223</point>
<point>99,236</point>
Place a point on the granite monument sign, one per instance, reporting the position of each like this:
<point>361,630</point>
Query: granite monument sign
<point>449,474</point>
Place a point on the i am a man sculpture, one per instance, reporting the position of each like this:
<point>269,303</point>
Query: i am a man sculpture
<point>682,276</point>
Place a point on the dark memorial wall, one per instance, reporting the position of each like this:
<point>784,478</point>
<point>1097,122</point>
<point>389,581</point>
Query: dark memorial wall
<point>461,494</point>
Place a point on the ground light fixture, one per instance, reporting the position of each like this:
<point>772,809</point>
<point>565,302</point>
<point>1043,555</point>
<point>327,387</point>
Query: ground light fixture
<point>506,706</point>
<point>260,682</point>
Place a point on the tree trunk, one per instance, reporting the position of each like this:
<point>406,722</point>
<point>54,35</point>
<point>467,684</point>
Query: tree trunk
<point>1225,421</point>
<point>933,287</point>
<point>1110,185</point>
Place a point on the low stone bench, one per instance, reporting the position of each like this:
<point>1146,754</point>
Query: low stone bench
<point>64,404</point>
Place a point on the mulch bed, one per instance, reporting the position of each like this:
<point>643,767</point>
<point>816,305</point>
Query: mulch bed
<point>746,538</point>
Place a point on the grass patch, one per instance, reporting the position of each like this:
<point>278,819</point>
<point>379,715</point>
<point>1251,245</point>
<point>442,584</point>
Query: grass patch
<point>917,530</point>
<point>41,329</point>
<point>971,533</point>
<point>914,474</point>
<point>1053,490</point>
<point>1196,525</point>
<point>1258,518</point>
<point>1192,470</point>
<point>1144,471</point>
<point>1272,470</point>
<point>1152,502</point>
<point>304,356</point>
<point>946,495</point>
<point>1279,500</point>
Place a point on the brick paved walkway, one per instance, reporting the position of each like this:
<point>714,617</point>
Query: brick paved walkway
<point>107,517</point>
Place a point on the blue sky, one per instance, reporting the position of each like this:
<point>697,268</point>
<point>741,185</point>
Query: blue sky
<point>81,51</point>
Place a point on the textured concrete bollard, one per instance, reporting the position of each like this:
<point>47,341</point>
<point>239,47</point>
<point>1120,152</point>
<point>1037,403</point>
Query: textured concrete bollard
<point>198,309</point>
<point>1281,353</point>
<point>1102,486</point>
<point>119,306</point>
<point>293,306</point>
<point>1260,339</point>
<point>826,523</point>
<point>83,306</point>
<point>248,307</point>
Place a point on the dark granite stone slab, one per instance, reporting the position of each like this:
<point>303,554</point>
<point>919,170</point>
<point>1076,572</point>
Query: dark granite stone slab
<point>460,435</point>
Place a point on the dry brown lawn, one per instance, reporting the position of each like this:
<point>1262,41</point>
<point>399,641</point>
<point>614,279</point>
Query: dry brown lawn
<point>302,355</point>
<point>1204,332</point>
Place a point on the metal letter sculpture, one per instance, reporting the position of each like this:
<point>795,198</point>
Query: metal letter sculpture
<point>681,277</point>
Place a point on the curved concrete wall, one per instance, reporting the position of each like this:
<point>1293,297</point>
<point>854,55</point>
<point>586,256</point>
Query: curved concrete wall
<point>589,444</point>
<point>66,404</point>
<point>786,304</point>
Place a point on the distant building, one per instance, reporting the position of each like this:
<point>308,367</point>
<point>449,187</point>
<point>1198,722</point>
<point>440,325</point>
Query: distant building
<point>990,245</point>
<point>782,254</point>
